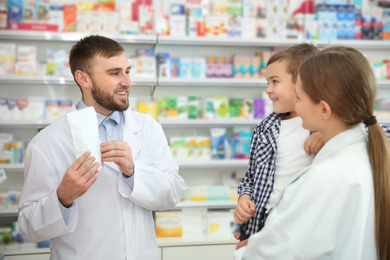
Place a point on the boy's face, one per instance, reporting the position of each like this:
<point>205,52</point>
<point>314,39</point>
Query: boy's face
<point>281,88</point>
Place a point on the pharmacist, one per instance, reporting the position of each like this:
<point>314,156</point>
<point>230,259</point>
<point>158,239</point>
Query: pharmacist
<point>89,213</point>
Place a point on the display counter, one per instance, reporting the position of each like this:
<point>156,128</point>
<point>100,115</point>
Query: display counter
<point>171,248</point>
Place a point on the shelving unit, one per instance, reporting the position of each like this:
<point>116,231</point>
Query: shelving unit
<point>207,204</point>
<point>72,37</point>
<point>194,172</point>
<point>12,167</point>
<point>206,123</point>
<point>9,167</point>
<point>52,80</point>
<point>214,82</point>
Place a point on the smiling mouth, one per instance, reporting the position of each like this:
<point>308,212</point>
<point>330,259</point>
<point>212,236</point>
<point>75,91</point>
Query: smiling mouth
<point>121,93</point>
<point>274,99</point>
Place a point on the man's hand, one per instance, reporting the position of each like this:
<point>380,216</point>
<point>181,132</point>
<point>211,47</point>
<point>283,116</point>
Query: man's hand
<point>78,179</point>
<point>120,153</point>
<point>244,210</point>
<point>313,143</point>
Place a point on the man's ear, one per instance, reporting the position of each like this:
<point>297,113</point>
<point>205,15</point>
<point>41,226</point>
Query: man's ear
<point>326,111</point>
<point>82,78</point>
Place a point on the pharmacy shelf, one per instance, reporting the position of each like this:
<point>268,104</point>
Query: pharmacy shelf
<point>140,81</point>
<point>24,123</point>
<point>12,167</point>
<point>383,83</point>
<point>230,204</point>
<point>215,82</point>
<point>196,163</point>
<point>225,41</point>
<point>186,40</point>
<point>52,80</point>
<point>25,251</point>
<point>72,37</point>
<point>189,164</point>
<point>4,213</point>
<point>362,44</point>
<point>29,123</point>
<point>264,42</point>
<point>167,122</point>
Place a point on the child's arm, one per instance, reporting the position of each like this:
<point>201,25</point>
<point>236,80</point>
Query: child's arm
<point>313,143</point>
<point>244,210</point>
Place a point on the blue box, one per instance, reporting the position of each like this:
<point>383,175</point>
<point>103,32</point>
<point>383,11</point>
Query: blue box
<point>175,67</point>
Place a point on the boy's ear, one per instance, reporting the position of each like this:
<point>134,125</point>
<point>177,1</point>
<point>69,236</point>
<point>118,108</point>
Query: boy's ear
<point>326,111</point>
<point>82,78</point>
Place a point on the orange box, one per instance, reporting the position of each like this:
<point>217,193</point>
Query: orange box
<point>70,18</point>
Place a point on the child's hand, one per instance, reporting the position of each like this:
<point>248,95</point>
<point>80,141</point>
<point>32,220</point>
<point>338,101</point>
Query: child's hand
<point>244,210</point>
<point>314,143</point>
<point>241,244</point>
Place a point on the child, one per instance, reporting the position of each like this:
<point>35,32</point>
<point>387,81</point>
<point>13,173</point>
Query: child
<point>277,150</point>
<point>337,208</point>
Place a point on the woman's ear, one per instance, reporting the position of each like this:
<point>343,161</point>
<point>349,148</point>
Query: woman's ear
<point>326,111</point>
<point>82,78</point>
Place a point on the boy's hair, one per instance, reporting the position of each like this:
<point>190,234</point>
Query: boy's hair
<point>87,48</point>
<point>343,78</point>
<point>293,56</point>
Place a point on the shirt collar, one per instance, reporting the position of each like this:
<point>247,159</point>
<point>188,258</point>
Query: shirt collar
<point>115,116</point>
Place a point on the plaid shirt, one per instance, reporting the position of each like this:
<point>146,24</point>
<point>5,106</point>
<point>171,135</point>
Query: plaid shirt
<point>258,181</point>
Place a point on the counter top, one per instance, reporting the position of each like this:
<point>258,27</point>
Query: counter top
<point>30,248</point>
<point>198,240</point>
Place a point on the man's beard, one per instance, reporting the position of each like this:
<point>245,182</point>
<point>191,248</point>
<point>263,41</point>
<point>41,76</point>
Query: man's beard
<point>107,101</point>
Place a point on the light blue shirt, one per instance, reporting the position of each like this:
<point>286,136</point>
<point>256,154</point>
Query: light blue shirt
<point>110,129</point>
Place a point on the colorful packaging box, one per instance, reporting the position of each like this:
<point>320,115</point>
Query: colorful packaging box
<point>218,143</point>
<point>221,107</point>
<point>242,145</point>
<point>70,17</point>
<point>172,106</point>
<point>147,107</point>
<point>236,108</point>
<point>185,67</point>
<point>178,146</point>
<point>7,58</point>
<point>175,67</point>
<point>163,65</point>
<point>203,147</point>
<point>194,107</point>
<point>169,224</point>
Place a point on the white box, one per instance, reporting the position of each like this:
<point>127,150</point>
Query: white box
<point>7,58</point>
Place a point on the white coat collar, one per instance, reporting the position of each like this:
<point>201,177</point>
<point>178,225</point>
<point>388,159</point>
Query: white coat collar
<point>353,135</point>
<point>339,141</point>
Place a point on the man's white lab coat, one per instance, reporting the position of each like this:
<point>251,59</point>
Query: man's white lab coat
<point>110,221</point>
<point>327,211</point>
